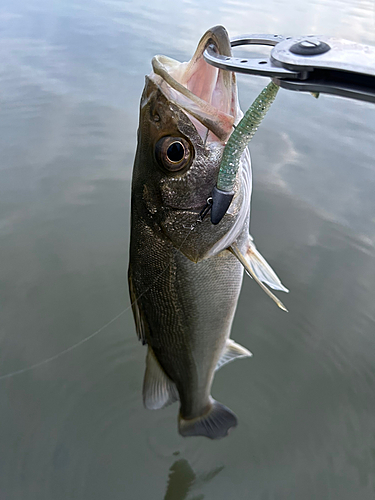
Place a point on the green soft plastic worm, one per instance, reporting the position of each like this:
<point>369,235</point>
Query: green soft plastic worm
<point>240,138</point>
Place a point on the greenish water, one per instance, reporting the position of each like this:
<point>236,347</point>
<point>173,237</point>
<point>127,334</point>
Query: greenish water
<point>74,426</point>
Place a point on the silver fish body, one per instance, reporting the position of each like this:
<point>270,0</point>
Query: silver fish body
<point>184,283</point>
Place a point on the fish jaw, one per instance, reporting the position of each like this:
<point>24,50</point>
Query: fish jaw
<point>207,93</point>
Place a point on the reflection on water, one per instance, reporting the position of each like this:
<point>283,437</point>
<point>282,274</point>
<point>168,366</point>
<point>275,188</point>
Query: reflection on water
<point>70,82</point>
<point>182,480</point>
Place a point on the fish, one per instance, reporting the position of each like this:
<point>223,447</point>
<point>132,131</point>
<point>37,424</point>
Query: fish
<point>185,274</point>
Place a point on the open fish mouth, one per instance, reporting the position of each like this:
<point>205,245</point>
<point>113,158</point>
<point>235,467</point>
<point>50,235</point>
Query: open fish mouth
<point>206,93</point>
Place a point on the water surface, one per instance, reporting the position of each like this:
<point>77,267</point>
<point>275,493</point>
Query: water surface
<point>73,425</point>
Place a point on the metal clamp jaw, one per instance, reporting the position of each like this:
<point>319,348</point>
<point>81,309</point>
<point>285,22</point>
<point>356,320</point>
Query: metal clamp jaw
<point>317,64</point>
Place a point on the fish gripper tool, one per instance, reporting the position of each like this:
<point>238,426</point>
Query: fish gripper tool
<point>313,63</point>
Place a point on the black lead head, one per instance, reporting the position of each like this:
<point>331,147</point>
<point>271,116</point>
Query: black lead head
<point>221,201</point>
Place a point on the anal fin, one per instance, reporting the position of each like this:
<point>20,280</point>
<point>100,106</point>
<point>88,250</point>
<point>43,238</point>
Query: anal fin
<point>231,352</point>
<point>158,389</point>
<point>258,268</point>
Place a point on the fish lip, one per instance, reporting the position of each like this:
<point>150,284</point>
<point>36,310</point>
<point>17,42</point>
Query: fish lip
<point>217,36</point>
<point>208,94</point>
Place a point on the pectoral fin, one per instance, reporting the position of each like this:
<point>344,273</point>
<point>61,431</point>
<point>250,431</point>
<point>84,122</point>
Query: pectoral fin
<point>158,389</point>
<point>257,267</point>
<point>232,351</point>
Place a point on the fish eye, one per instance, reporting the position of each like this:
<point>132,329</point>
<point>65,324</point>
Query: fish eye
<point>176,152</point>
<point>173,153</point>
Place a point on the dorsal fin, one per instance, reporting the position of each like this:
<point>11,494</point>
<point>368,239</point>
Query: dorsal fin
<point>232,351</point>
<point>158,389</point>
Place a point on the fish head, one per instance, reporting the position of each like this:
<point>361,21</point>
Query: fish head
<point>187,113</point>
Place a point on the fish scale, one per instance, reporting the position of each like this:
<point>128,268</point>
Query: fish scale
<point>183,334</point>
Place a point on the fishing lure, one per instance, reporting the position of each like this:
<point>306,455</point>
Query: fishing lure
<point>223,192</point>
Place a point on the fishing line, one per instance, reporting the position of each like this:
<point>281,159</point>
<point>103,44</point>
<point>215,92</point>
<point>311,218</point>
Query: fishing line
<point>61,353</point>
<point>200,218</point>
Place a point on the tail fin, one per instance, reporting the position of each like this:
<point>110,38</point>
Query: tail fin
<point>214,424</point>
